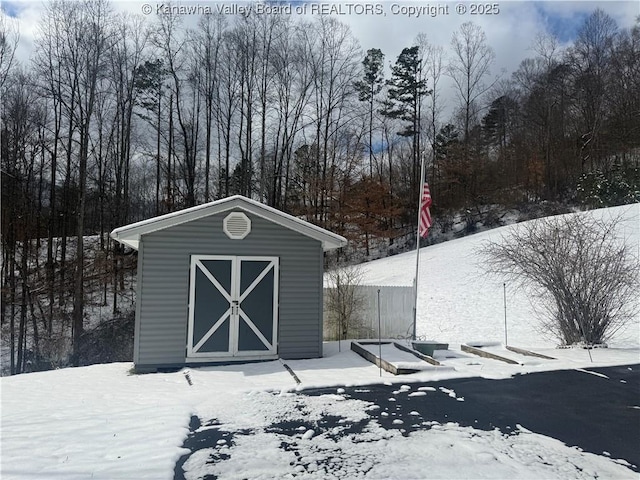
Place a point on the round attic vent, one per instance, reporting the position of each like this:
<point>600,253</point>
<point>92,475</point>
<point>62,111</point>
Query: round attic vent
<point>236,225</point>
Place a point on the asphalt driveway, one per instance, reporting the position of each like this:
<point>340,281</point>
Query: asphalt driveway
<point>597,410</point>
<point>579,408</point>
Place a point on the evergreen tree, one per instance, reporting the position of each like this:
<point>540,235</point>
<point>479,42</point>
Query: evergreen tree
<point>150,85</point>
<point>404,101</point>
<point>370,86</point>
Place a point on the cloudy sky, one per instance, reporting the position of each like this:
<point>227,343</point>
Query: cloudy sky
<point>510,26</point>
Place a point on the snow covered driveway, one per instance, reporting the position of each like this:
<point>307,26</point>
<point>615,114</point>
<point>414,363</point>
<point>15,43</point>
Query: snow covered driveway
<point>561,424</point>
<point>249,421</point>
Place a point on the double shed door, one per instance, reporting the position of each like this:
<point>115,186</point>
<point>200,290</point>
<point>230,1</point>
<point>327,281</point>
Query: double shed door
<point>233,306</point>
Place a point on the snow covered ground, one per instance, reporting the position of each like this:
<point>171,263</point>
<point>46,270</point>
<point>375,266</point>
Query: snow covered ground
<point>102,422</point>
<point>458,302</point>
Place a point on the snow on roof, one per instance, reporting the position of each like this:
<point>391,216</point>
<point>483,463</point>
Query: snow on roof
<point>130,234</point>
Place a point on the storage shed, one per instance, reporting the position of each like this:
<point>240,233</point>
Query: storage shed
<point>230,280</point>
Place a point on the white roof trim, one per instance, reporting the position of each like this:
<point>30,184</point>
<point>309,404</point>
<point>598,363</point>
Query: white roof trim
<point>130,234</point>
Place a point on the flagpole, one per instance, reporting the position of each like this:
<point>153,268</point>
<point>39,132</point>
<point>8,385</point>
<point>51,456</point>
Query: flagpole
<point>415,285</point>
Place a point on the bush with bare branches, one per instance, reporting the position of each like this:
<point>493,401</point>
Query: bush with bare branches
<point>344,303</point>
<point>579,271</point>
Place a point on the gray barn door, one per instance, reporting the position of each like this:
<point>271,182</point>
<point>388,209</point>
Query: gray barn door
<point>233,306</point>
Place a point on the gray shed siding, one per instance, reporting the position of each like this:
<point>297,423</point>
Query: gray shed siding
<point>164,289</point>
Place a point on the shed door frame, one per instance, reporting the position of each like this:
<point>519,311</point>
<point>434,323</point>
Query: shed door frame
<point>234,312</point>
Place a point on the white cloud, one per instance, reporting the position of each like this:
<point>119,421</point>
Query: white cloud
<point>26,14</point>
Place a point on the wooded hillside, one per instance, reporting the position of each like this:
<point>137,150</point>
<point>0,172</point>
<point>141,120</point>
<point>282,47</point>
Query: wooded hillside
<point>117,119</point>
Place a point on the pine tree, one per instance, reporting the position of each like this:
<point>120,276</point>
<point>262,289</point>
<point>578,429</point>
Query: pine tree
<point>370,86</point>
<point>150,86</point>
<point>404,101</point>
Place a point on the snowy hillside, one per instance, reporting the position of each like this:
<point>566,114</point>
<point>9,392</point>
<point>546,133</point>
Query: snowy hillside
<point>458,302</point>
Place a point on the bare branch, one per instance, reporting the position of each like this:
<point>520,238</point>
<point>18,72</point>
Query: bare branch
<point>582,275</point>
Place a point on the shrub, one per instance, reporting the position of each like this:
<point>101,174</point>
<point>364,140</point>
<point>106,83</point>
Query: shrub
<point>110,341</point>
<point>581,274</point>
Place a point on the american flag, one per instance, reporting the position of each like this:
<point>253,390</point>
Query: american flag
<point>425,214</point>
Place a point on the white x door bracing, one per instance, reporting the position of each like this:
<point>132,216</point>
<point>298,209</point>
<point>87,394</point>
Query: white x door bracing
<point>233,306</point>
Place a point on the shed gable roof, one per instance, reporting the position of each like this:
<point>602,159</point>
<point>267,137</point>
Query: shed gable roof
<point>130,234</point>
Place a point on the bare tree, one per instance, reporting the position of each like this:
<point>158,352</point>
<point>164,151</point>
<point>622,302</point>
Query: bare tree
<point>590,60</point>
<point>544,89</point>
<point>91,29</point>
<point>246,46</point>
<point>46,65</point>
<point>294,79</point>
<point>185,99</point>
<point>344,302</point>
<point>126,58</point>
<point>577,268</point>
<point>207,39</point>
<point>19,152</point>
<point>432,58</point>
<point>9,37</point>
<point>270,29</point>
<point>624,91</point>
<point>334,62</point>
<point>76,40</point>
<point>471,63</point>
<point>227,105</point>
